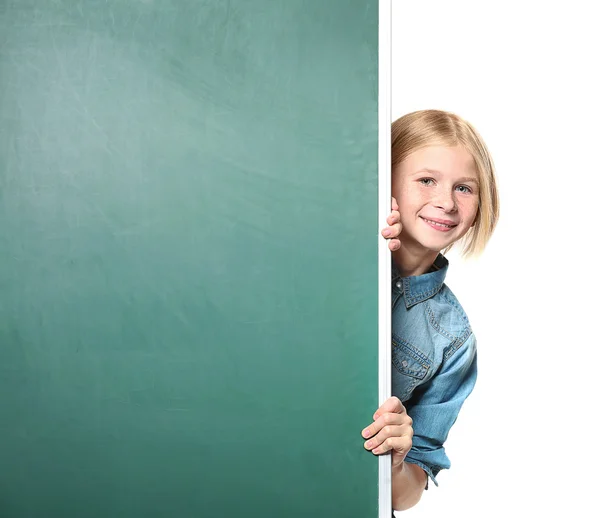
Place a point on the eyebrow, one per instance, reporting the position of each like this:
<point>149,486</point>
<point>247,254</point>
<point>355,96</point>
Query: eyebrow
<point>465,179</point>
<point>460,180</point>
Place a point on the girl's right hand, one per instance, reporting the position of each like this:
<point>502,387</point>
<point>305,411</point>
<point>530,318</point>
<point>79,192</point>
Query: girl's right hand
<point>392,232</point>
<point>391,430</point>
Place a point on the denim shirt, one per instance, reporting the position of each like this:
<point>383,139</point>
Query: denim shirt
<point>434,363</point>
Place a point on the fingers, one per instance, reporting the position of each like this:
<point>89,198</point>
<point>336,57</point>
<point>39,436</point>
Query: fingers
<point>399,446</point>
<point>391,430</point>
<point>394,244</point>
<point>391,413</point>
<point>393,218</point>
<point>394,438</point>
<point>397,438</point>
<point>392,404</point>
<point>392,231</point>
<point>388,431</point>
<point>394,204</point>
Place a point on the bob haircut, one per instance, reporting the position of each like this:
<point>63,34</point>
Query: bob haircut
<point>425,128</point>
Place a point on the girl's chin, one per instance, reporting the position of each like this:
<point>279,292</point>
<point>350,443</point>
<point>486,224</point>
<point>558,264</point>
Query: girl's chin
<point>423,246</point>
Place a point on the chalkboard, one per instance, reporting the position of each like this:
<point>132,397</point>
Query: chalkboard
<point>188,258</point>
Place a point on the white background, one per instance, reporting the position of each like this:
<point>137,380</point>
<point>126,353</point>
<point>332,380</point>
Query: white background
<point>526,75</point>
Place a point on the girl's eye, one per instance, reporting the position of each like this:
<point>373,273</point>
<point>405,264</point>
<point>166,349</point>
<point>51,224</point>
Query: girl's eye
<point>464,189</point>
<point>426,181</point>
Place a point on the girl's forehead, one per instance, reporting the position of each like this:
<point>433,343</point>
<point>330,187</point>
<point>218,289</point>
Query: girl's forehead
<point>440,159</point>
<point>447,155</point>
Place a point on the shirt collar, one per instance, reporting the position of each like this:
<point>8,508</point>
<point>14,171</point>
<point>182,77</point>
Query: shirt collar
<point>418,288</point>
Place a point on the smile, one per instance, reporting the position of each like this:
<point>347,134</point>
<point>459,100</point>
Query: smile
<point>444,227</point>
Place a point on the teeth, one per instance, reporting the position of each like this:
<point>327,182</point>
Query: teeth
<point>437,224</point>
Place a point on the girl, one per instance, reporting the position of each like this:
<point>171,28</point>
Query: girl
<point>443,178</point>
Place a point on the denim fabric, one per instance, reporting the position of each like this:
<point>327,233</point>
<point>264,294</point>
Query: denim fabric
<point>434,365</point>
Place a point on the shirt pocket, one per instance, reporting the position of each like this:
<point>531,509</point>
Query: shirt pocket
<point>411,367</point>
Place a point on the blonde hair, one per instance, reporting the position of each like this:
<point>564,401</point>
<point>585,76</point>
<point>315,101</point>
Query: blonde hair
<point>424,128</point>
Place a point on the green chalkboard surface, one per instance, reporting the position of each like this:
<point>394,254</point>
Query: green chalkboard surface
<point>188,258</point>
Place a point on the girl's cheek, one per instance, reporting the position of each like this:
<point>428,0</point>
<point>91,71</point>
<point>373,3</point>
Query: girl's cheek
<point>471,209</point>
<point>470,205</point>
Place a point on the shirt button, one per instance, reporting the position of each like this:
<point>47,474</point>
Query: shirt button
<point>404,363</point>
<point>399,285</point>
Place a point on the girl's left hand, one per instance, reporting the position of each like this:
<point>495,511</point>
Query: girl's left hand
<point>391,430</point>
<point>392,232</point>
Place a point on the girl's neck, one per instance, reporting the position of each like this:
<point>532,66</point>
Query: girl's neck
<point>411,262</point>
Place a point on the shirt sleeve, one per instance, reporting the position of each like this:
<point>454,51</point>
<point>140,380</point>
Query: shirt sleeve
<point>434,407</point>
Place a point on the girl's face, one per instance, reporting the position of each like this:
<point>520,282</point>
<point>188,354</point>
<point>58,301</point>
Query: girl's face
<point>438,197</point>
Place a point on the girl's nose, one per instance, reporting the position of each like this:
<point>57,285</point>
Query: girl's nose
<point>446,201</point>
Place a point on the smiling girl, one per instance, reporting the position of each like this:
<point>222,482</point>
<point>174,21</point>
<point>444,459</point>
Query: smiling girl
<point>444,182</point>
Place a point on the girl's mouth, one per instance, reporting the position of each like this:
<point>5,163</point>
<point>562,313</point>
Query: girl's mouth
<point>438,225</point>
